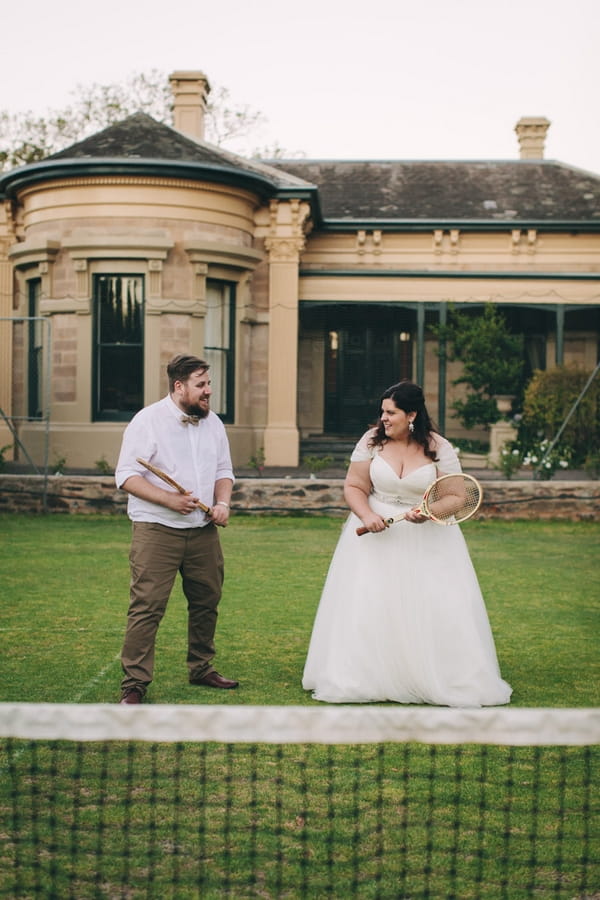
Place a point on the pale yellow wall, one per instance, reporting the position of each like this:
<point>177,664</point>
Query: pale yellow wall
<point>454,290</point>
<point>174,233</point>
<point>178,233</point>
<point>444,252</point>
<point>282,225</point>
<point>453,250</point>
<point>207,208</point>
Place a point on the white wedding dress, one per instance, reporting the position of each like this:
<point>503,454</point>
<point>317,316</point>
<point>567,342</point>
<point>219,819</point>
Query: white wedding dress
<point>401,616</point>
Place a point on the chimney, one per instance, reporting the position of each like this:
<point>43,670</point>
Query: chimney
<point>190,93</point>
<point>531,132</point>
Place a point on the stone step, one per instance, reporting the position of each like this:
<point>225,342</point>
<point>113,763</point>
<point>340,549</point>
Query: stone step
<point>338,448</point>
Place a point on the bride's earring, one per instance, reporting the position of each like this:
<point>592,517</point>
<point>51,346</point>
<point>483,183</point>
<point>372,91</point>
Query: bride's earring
<point>411,426</point>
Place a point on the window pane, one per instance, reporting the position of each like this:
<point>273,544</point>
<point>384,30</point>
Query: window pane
<point>119,390</point>
<point>218,380</point>
<point>35,360</point>
<point>216,326</point>
<point>120,319</point>
<point>119,362</point>
<point>218,345</point>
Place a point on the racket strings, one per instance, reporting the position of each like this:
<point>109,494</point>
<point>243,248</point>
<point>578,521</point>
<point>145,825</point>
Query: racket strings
<point>452,498</point>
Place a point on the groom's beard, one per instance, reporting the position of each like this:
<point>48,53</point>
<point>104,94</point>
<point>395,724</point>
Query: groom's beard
<point>196,409</point>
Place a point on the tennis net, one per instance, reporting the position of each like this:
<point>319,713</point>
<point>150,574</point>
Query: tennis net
<point>206,802</point>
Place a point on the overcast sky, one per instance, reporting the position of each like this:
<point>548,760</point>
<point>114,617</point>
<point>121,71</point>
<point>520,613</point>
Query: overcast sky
<point>346,79</point>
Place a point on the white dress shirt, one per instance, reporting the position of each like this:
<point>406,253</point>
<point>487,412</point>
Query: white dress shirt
<point>196,456</point>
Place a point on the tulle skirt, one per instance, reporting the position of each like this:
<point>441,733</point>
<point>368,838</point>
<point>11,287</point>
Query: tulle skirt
<point>402,618</point>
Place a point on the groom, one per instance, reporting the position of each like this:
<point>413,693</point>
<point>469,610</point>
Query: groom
<point>182,436</point>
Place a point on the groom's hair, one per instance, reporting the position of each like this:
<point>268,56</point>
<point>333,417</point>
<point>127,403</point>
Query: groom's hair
<point>181,367</point>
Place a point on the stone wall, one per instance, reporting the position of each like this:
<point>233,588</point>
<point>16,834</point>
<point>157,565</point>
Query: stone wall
<point>83,494</point>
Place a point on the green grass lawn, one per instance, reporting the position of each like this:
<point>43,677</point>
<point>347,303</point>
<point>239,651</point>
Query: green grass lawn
<point>65,593</point>
<point>208,821</point>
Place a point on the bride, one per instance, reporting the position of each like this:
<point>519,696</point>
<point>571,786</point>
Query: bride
<point>401,615</point>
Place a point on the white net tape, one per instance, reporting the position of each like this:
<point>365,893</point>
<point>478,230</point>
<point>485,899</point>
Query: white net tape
<point>301,725</point>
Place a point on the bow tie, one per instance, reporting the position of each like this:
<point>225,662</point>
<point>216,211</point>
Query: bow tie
<point>190,420</point>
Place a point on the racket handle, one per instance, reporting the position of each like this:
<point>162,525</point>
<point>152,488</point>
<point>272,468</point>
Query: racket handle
<point>388,522</point>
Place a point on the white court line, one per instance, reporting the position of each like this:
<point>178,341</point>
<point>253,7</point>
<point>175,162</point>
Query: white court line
<point>95,680</point>
<point>77,699</point>
<point>90,684</point>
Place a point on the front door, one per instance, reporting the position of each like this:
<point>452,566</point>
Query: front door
<point>361,362</point>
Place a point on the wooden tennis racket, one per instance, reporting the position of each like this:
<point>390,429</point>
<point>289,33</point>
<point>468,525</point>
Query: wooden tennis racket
<point>449,500</point>
<point>167,478</point>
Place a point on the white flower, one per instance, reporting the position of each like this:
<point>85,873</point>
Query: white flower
<point>564,464</point>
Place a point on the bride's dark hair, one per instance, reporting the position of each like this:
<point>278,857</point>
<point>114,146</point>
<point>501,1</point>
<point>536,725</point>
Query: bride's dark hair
<point>409,397</point>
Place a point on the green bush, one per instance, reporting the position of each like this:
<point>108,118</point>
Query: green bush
<point>103,466</point>
<point>2,459</point>
<point>315,463</point>
<point>492,358</point>
<point>549,398</point>
<point>592,464</point>
<point>471,445</point>
<point>511,460</point>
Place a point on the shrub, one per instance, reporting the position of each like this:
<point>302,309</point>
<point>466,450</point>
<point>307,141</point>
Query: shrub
<point>549,398</point>
<point>511,460</point>
<point>60,464</point>
<point>258,461</point>
<point>544,463</point>
<point>471,445</point>
<point>492,358</point>
<point>2,459</point>
<point>592,464</point>
<point>315,463</point>
<point>103,466</point>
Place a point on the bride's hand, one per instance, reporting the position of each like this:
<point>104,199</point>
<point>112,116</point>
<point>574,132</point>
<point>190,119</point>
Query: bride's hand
<point>373,522</point>
<point>415,516</point>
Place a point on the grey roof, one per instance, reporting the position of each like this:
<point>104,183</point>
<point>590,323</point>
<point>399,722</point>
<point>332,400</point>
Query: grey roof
<point>344,193</point>
<point>141,137</point>
<point>139,145</point>
<point>492,191</point>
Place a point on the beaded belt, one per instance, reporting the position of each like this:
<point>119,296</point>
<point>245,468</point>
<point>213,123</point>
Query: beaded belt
<point>390,498</point>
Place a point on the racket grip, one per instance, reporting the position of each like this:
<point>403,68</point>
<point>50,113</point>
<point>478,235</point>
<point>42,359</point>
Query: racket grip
<point>388,522</point>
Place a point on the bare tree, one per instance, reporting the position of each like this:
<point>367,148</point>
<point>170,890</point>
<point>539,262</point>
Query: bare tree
<point>26,137</point>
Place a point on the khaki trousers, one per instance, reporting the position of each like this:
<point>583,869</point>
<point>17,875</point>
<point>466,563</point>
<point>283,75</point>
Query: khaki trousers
<point>157,554</point>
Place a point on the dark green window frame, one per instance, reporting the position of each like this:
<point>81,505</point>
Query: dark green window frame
<point>34,351</point>
<point>219,345</point>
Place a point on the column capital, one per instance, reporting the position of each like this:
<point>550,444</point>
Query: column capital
<point>284,226</point>
<point>284,249</point>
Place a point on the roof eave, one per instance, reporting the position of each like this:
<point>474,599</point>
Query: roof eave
<point>34,173</point>
<point>17,179</point>
<point>399,224</point>
<point>310,193</point>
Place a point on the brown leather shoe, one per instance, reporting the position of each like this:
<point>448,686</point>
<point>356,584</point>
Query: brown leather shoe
<point>131,696</point>
<point>213,679</point>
